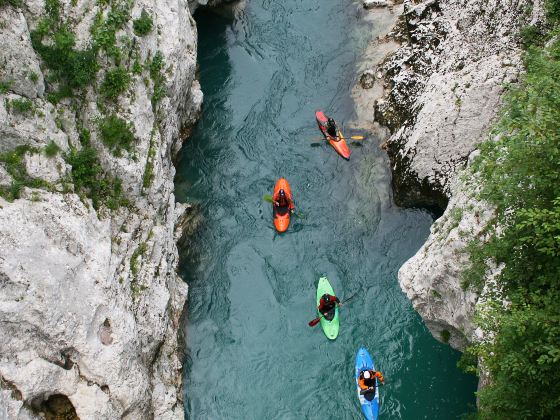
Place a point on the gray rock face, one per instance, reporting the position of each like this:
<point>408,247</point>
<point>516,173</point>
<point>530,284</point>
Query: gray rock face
<point>371,4</point>
<point>39,166</point>
<point>90,302</point>
<point>18,64</point>
<point>445,85</point>
<point>367,79</point>
<point>432,278</point>
<point>443,91</point>
<point>448,79</point>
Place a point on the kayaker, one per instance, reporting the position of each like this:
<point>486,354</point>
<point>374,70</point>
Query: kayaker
<point>366,380</point>
<point>327,304</point>
<point>331,128</point>
<point>283,201</point>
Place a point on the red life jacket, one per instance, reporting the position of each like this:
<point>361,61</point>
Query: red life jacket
<point>328,304</point>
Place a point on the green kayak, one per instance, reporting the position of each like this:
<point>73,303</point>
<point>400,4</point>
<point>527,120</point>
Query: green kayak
<point>329,327</point>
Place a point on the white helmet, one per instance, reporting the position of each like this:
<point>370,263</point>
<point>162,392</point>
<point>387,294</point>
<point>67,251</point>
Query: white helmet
<point>367,375</point>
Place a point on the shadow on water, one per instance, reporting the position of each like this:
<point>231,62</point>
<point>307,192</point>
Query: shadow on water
<point>251,354</point>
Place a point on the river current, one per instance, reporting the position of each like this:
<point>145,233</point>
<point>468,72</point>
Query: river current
<point>250,351</point>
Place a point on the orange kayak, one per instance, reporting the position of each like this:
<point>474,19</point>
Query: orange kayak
<point>338,144</point>
<point>282,214</point>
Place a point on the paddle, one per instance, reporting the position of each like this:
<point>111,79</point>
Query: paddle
<point>315,321</point>
<point>346,138</point>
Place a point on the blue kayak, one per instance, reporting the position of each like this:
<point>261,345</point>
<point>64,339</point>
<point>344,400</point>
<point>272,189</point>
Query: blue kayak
<point>369,408</point>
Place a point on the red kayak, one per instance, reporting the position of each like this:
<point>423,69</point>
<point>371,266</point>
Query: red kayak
<point>282,214</point>
<point>338,144</point>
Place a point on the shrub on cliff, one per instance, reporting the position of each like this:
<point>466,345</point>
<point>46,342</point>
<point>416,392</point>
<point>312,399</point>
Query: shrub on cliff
<point>156,66</point>
<point>116,82</point>
<point>12,161</point>
<point>15,3</point>
<point>104,31</point>
<point>143,25</point>
<point>21,106</point>
<point>69,67</point>
<point>91,180</point>
<point>116,134</point>
<point>552,8</point>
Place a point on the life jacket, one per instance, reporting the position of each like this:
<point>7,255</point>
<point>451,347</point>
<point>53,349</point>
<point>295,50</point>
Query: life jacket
<point>326,304</point>
<point>369,383</point>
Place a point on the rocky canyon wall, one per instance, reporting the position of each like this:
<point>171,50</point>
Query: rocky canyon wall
<point>90,301</point>
<point>443,90</point>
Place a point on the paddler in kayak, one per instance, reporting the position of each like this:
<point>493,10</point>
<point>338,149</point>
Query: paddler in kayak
<point>283,202</point>
<point>366,381</point>
<point>332,129</point>
<point>327,304</point>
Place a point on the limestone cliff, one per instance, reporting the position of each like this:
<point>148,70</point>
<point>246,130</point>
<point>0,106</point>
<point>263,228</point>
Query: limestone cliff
<point>443,90</point>
<point>94,97</point>
<point>445,87</point>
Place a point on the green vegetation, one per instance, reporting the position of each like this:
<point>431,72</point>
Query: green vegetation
<point>116,82</point>
<point>13,163</point>
<point>22,106</point>
<point>135,288</point>
<point>116,134</point>
<point>51,149</point>
<point>138,252</point>
<point>137,67</point>
<point>71,68</point>
<point>520,175</point>
<point>532,35</point>
<point>14,3</point>
<point>74,69</point>
<point>156,73</point>
<point>104,30</point>
<point>5,87</point>
<point>143,25</point>
<point>149,169</point>
<point>89,178</point>
<point>34,77</point>
<point>455,216</point>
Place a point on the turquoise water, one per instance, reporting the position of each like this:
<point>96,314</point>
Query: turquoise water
<point>251,354</point>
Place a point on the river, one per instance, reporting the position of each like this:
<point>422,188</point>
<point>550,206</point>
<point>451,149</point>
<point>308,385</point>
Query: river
<point>250,351</point>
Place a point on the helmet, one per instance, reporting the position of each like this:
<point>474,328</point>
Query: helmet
<point>330,121</point>
<point>326,297</point>
<point>282,193</point>
<point>367,375</point>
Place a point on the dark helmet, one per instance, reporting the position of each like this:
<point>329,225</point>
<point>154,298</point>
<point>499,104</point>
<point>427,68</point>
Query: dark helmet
<point>326,297</point>
<point>282,193</point>
<point>330,121</point>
